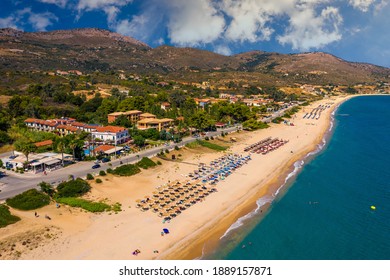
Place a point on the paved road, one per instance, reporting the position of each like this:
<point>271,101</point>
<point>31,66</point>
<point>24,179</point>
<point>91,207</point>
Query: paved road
<point>13,184</point>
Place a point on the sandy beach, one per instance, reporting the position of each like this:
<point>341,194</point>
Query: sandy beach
<point>73,234</point>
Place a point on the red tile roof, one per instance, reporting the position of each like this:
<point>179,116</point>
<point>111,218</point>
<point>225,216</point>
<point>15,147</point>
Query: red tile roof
<point>44,143</point>
<point>110,128</point>
<point>103,148</point>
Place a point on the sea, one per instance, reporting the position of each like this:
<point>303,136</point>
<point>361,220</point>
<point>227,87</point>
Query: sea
<point>334,205</point>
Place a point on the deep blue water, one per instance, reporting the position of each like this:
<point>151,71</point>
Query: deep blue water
<point>326,212</point>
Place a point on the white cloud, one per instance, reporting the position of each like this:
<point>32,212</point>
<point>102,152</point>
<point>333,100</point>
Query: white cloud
<point>59,3</point>
<point>308,30</point>
<point>362,5</point>
<point>41,21</point>
<point>8,22</point>
<point>110,7</point>
<point>303,24</point>
<point>223,49</point>
<point>193,23</point>
<point>38,21</point>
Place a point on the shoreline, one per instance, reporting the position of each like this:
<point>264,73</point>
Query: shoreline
<point>275,187</point>
<point>199,228</point>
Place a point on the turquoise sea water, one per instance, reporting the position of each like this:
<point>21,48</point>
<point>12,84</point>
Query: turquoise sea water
<point>325,212</point>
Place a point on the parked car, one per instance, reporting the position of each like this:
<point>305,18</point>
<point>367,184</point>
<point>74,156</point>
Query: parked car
<point>106,159</point>
<point>95,166</point>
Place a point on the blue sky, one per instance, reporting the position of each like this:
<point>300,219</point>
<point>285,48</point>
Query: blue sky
<point>355,30</point>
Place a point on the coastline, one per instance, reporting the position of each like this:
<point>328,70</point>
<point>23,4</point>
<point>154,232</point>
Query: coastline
<point>82,235</point>
<point>195,247</point>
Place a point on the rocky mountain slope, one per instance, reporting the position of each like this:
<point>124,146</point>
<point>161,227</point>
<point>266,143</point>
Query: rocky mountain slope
<point>96,49</point>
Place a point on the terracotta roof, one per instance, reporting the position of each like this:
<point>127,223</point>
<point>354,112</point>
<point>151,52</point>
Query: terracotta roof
<point>44,143</point>
<point>30,120</point>
<point>103,148</point>
<point>147,115</point>
<point>67,127</point>
<point>110,128</point>
<point>79,124</point>
<point>132,112</point>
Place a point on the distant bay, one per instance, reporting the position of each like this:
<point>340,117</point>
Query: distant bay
<point>326,212</point>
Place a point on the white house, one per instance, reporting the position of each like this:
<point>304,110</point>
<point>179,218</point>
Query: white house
<point>111,134</point>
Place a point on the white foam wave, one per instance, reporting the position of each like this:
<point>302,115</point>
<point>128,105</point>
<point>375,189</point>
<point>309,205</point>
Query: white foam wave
<point>240,222</point>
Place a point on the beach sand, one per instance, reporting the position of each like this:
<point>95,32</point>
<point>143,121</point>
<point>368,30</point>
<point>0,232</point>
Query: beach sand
<point>76,234</point>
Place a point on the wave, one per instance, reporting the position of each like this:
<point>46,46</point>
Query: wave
<point>240,222</point>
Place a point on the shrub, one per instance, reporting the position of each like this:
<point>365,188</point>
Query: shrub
<point>117,207</point>
<point>109,170</point>
<point>85,204</point>
<point>1,163</point>
<point>126,170</point>
<point>212,146</point>
<point>99,181</point>
<point>5,216</point>
<point>89,176</point>
<point>212,137</point>
<point>145,163</point>
<point>102,173</point>
<point>46,188</point>
<point>73,188</point>
<point>207,138</point>
<point>29,200</point>
<point>159,162</point>
<point>177,148</point>
<point>166,151</point>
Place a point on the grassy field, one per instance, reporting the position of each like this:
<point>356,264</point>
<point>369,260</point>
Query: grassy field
<point>206,144</point>
<point>5,216</point>
<point>90,206</point>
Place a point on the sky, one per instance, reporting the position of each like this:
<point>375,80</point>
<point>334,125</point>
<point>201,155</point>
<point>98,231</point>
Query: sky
<point>354,30</point>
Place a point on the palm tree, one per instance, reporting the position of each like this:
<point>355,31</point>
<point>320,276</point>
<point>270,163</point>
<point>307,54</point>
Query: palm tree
<point>75,141</point>
<point>26,147</point>
<point>61,145</point>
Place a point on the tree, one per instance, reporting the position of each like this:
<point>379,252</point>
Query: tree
<point>75,141</point>
<point>46,188</point>
<point>61,144</point>
<point>26,147</point>
<point>4,138</point>
<point>201,120</point>
<point>139,140</point>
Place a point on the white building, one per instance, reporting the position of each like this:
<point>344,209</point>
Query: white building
<point>111,134</point>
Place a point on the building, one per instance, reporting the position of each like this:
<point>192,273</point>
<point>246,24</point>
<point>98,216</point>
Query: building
<point>165,106</point>
<point>46,143</point>
<point>158,124</point>
<point>147,116</point>
<point>107,150</point>
<point>133,116</point>
<point>41,125</point>
<point>64,129</point>
<point>111,134</point>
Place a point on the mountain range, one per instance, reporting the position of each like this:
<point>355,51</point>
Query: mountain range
<point>94,49</point>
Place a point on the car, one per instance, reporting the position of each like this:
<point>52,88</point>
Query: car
<point>95,166</point>
<point>106,159</point>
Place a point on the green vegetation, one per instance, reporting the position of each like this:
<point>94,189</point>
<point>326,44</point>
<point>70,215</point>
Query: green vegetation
<point>277,120</point>
<point>89,176</point>
<point>5,216</point>
<point>47,188</point>
<point>126,170</point>
<point>289,113</point>
<point>98,181</point>
<point>73,188</point>
<point>145,163</point>
<point>85,204</point>
<point>29,200</point>
<point>102,173</point>
<point>212,146</point>
<point>254,125</point>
